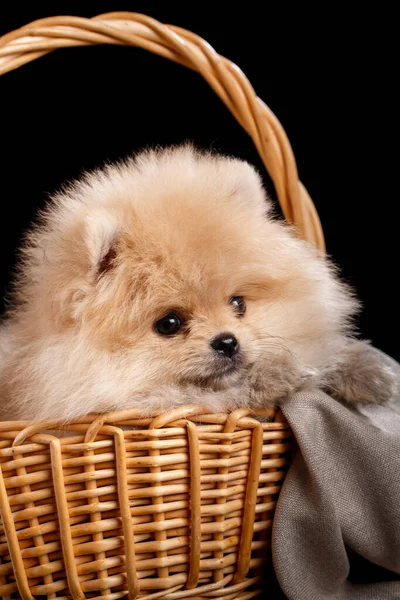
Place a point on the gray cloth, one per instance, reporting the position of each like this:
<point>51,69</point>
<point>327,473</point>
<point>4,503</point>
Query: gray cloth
<point>340,499</point>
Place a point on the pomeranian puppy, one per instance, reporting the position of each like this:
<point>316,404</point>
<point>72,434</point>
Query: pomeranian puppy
<point>165,280</point>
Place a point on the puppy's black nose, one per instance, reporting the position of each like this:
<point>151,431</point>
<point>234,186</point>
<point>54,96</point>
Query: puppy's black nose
<point>225,344</point>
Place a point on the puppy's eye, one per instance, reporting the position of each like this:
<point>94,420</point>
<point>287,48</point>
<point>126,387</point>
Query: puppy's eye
<point>238,304</point>
<point>169,325</point>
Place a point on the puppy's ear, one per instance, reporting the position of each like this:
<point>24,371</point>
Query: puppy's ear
<point>81,256</point>
<point>108,260</point>
<point>102,243</point>
<point>248,188</point>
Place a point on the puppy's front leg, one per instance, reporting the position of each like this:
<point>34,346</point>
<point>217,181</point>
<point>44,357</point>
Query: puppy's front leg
<point>171,397</point>
<point>361,375</point>
<point>276,378</point>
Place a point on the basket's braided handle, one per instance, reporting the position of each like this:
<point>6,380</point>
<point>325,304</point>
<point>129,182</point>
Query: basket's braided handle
<point>224,77</point>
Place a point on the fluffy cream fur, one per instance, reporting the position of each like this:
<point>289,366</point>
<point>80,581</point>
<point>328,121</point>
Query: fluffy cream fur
<point>168,230</point>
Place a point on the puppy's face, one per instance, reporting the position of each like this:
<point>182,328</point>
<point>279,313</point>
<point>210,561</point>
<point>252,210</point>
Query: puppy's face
<point>178,322</point>
<point>171,266</point>
<point>178,285</point>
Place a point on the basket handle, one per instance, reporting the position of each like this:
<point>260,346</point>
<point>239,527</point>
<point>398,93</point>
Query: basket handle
<point>224,77</point>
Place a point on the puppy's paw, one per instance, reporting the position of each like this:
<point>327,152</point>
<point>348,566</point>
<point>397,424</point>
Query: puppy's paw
<point>378,387</point>
<point>277,379</point>
<point>362,377</point>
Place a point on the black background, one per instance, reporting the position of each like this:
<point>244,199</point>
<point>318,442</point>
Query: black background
<point>328,74</point>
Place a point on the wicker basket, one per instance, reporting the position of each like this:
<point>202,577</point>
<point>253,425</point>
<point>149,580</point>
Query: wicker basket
<point>178,506</point>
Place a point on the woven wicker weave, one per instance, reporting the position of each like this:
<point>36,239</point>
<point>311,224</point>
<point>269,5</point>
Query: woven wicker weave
<point>179,503</point>
<point>176,507</point>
